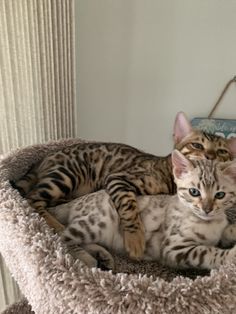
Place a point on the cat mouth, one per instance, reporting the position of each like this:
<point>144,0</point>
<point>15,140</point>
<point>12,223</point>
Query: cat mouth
<point>204,216</point>
<point>207,217</point>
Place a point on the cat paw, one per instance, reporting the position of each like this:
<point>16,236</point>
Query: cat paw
<point>59,228</point>
<point>134,242</point>
<point>104,259</point>
<point>84,257</point>
<point>50,220</point>
<point>93,255</point>
<point>55,225</point>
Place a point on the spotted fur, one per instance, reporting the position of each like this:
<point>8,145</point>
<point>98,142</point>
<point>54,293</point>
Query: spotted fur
<point>125,172</point>
<point>181,231</point>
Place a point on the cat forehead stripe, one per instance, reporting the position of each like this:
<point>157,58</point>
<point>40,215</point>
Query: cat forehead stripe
<point>207,171</point>
<point>211,137</point>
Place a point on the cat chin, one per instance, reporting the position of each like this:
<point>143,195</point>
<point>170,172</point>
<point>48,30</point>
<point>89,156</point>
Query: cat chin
<point>204,217</point>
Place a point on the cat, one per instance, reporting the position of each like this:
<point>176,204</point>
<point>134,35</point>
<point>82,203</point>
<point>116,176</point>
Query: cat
<point>123,171</point>
<point>181,230</point>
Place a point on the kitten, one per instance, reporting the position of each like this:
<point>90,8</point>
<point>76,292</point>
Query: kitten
<point>125,172</point>
<point>181,230</point>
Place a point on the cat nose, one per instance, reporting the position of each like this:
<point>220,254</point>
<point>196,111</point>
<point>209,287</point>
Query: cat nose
<point>207,206</point>
<point>208,210</point>
<point>210,155</point>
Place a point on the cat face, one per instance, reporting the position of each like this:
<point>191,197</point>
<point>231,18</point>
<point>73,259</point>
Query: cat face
<point>196,144</point>
<point>206,187</point>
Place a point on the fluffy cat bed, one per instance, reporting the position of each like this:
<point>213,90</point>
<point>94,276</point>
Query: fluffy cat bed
<point>53,282</point>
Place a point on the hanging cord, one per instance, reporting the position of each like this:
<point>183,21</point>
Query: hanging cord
<point>221,96</point>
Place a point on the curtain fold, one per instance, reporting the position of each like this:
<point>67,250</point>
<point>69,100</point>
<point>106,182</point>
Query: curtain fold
<point>37,82</point>
<point>37,71</point>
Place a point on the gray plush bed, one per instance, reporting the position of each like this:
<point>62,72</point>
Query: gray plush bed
<point>53,282</point>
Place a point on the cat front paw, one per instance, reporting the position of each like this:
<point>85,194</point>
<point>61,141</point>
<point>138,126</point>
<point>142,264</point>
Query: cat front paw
<point>57,226</point>
<point>134,241</point>
<point>50,220</point>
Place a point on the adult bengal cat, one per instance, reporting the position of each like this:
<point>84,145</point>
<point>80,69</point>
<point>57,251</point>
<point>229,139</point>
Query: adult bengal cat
<point>123,171</point>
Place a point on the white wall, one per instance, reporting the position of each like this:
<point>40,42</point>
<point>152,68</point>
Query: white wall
<point>140,62</point>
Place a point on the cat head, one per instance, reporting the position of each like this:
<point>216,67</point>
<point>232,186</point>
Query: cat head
<point>196,144</point>
<point>207,187</point>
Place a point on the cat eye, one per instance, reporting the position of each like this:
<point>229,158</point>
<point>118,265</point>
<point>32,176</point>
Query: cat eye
<point>222,151</point>
<point>219,195</point>
<point>198,146</point>
<point>194,192</point>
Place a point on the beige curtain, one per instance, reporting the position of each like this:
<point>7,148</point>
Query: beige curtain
<point>37,82</point>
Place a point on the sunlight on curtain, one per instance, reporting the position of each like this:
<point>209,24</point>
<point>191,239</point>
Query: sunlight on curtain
<point>37,81</point>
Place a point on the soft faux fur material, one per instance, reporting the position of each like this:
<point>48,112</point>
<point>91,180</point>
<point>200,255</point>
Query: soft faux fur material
<point>53,282</point>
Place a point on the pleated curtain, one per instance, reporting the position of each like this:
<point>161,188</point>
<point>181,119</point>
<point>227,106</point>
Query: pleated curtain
<point>37,82</point>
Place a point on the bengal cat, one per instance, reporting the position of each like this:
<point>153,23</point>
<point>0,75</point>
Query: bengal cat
<point>181,230</point>
<point>123,171</point>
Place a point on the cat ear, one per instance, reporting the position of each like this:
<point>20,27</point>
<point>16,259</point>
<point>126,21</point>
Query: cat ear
<point>232,145</point>
<point>182,127</point>
<point>181,165</point>
<point>229,169</point>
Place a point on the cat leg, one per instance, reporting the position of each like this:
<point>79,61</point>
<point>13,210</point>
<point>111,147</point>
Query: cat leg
<point>50,220</point>
<point>123,195</point>
<point>40,208</point>
<point>80,238</point>
<point>197,256</point>
<point>24,185</point>
<point>81,254</point>
<point>104,258</point>
<point>92,254</point>
<point>75,243</point>
<point>43,195</point>
<point>36,199</point>
<point>229,236</point>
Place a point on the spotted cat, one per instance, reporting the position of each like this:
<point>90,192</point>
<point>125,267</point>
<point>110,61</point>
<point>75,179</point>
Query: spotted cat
<point>123,171</point>
<point>181,230</point>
